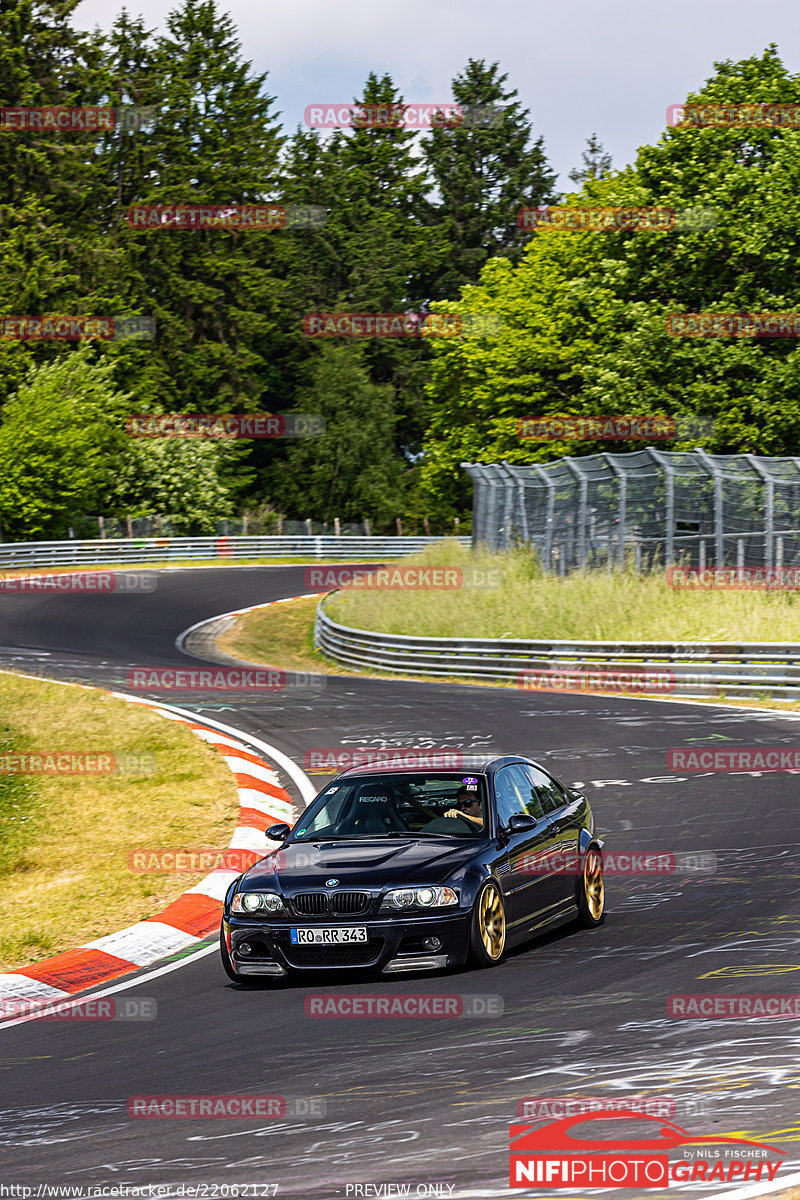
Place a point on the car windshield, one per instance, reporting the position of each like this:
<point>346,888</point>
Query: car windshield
<point>445,805</point>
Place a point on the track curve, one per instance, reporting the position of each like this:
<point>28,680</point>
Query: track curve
<point>427,1102</point>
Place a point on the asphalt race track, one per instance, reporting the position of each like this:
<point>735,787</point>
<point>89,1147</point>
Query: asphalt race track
<point>428,1102</point>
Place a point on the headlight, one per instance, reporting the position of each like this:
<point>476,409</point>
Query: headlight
<point>419,897</point>
<point>248,902</point>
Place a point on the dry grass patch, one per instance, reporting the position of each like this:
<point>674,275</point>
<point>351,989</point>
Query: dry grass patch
<point>65,840</point>
<point>586,606</point>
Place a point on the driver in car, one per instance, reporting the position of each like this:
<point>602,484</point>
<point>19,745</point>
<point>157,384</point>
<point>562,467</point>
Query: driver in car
<point>468,806</point>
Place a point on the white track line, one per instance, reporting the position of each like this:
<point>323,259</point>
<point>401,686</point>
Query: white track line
<point>70,1001</point>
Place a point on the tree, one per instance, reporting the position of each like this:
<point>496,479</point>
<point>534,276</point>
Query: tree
<point>184,479</point>
<point>352,471</point>
<point>596,162</point>
<point>215,141</point>
<point>62,439</point>
<point>483,174</point>
<point>585,313</point>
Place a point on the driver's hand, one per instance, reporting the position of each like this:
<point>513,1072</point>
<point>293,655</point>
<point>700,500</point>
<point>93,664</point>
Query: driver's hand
<point>452,812</point>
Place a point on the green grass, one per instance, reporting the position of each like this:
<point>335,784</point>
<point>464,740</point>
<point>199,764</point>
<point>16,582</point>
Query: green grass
<point>586,606</point>
<point>65,839</point>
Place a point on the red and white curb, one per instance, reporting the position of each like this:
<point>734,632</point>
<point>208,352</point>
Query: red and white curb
<point>197,912</point>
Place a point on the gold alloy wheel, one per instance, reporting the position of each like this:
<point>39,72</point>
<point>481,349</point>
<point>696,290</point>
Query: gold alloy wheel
<point>492,921</point>
<point>593,885</point>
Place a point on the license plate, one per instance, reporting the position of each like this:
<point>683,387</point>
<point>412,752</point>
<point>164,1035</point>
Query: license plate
<point>322,936</point>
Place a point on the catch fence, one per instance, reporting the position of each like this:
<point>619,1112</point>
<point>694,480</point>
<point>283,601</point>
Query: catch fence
<point>651,507</point>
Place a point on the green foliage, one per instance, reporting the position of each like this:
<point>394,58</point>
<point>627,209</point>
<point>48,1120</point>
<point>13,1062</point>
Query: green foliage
<point>185,479</point>
<point>483,175</point>
<point>584,313</point>
<point>351,471</point>
<point>61,440</point>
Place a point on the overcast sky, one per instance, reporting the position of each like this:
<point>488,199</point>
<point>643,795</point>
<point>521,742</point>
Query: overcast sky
<point>579,67</point>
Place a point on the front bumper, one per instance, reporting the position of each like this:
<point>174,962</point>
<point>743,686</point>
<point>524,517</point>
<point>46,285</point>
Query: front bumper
<point>393,945</point>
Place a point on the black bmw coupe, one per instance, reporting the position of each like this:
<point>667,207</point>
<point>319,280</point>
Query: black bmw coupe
<point>404,870</point>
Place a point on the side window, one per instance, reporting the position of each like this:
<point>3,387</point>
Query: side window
<point>515,794</point>
<point>551,794</point>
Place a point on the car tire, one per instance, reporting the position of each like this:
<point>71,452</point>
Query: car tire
<point>591,893</point>
<point>487,936</point>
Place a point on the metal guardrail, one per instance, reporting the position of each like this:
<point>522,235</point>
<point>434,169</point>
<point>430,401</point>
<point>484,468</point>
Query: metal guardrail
<point>227,549</point>
<point>700,669</point>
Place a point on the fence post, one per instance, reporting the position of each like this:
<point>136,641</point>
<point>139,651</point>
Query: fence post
<point>101,525</point>
<point>337,529</point>
<point>367,528</point>
<point>399,525</point>
<point>769,510</point>
<point>308,526</point>
<point>520,487</point>
<point>622,504</point>
<point>129,523</point>
<point>550,516</point>
<point>661,459</point>
<point>716,475</point>
<point>583,494</point>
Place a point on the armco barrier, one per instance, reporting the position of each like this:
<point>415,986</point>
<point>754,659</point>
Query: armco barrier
<point>226,549</point>
<point>701,669</point>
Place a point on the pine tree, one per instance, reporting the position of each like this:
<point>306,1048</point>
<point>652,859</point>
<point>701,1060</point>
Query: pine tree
<point>483,174</point>
<point>596,162</point>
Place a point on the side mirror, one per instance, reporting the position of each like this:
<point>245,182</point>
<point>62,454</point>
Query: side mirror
<point>521,821</point>
<point>278,833</point>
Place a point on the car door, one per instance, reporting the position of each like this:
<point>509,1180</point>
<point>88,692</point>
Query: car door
<point>564,813</point>
<point>530,887</point>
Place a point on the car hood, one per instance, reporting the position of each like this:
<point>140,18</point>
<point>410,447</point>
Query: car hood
<point>368,862</point>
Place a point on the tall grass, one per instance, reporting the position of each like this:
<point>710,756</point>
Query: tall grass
<point>589,605</point>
